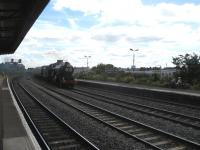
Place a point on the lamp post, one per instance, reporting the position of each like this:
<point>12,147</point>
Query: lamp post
<point>87,57</point>
<point>133,50</point>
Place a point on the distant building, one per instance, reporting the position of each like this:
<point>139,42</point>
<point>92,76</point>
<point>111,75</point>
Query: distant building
<point>81,70</point>
<point>12,66</point>
<point>166,72</point>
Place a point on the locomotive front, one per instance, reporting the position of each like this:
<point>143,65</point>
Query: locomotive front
<point>64,75</point>
<point>60,73</point>
<point>68,74</point>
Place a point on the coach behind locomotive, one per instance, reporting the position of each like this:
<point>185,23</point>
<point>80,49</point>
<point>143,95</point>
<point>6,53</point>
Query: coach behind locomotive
<point>60,73</point>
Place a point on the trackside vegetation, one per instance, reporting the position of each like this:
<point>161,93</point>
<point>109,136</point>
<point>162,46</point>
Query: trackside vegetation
<point>102,73</point>
<point>187,68</point>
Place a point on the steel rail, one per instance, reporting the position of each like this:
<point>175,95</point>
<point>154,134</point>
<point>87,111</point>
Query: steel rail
<point>65,136</point>
<point>146,98</point>
<point>126,125</point>
<point>165,114</point>
<point>30,122</point>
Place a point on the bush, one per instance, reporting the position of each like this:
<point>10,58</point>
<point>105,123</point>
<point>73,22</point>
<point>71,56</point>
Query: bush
<point>112,79</point>
<point>126,79</point>
<point>144,79</point>
<point>99,77</point>
<point>196,86</point>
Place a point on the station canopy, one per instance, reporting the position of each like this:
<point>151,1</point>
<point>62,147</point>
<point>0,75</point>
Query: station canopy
<point>16,18</point>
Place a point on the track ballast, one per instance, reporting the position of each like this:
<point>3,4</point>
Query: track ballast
<point>50,130</point>
<point>151,136</point>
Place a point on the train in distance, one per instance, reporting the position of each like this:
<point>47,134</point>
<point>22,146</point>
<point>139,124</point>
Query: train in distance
<point>59,73</point>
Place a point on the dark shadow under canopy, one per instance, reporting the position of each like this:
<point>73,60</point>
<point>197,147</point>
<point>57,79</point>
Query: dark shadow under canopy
<point>16,18</point>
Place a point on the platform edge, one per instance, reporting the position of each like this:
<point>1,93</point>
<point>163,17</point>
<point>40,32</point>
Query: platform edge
<point>23,120</point>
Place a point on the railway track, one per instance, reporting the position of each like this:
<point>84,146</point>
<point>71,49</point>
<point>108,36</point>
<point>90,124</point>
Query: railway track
<point>153,137</point>
<point>51,131</point>
<point>143,97</point>
<point>165,114</point>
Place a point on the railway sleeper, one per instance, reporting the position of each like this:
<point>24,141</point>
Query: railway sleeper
<point>99,115</point>
<point>132,131</point>
<point>41,120</point>
<point>39,117</point>
<point>46,126</point>
<point>143,134</point>
<point>119,124</point>
<point>126,127</point>
<point>54,130</point>
<point>68,147</point>
<point>181,147</point>
<point>57,137</point>
<point>52,133</point>
<point>43,123</point>
<point>159,143</point>
<point>106,118</point>
<point>152,138</point>
<point>112,121</point>
<point>48,122</point>
<point>62,142</point>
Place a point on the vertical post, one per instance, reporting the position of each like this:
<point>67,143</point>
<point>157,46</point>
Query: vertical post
<point>87,57</point>
<point>87,62</point>
<point>133,59</point>
<point>133,50</point>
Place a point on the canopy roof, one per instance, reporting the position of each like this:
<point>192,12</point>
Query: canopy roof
<point>16,18</point>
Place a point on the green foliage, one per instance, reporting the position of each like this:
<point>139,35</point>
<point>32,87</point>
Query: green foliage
<point>105,69</point>
<point>124,77</point>
<point>196,86</point>
<point>155,77</point>
<point>108,72</point>
<point>188,67</point>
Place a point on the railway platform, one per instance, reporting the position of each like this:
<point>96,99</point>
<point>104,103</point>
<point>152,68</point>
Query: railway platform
<point>14,132</point>
<point>145,87</point>
<point>173,95</point>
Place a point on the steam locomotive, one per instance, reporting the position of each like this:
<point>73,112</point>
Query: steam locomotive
<point>60,73</point>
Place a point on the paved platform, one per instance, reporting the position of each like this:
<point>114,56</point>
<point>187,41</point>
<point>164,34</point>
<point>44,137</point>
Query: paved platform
<point>152,88</point>
<point>13,134</point>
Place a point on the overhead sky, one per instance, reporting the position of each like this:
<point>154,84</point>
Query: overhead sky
<point>107,29</point>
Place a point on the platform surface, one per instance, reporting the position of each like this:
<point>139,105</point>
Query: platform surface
<point>145,87</point>
<point>13,136</point>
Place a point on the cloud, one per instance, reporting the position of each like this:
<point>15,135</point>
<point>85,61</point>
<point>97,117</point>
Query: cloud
<point>107,29</point>
<point>72,23</point>
<point>143,39</point>
<point>107,37</point>
<point>133,10</point>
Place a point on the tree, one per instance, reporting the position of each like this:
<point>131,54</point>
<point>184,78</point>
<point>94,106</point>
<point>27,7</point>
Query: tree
<point>104,68</point>
<point>188,67</point>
